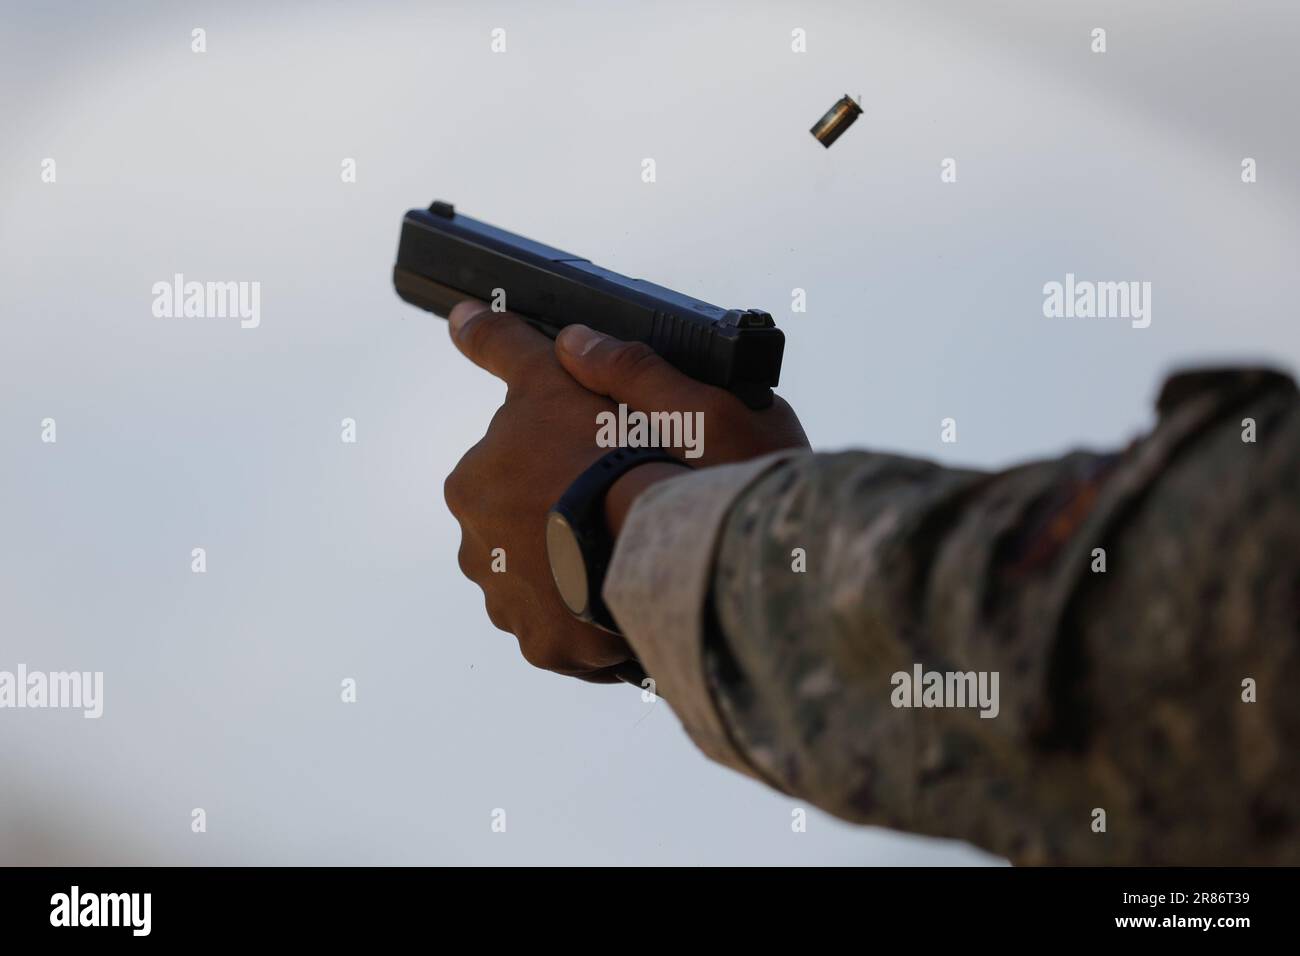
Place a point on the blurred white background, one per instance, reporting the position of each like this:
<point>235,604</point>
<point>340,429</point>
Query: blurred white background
<point>328,560</point>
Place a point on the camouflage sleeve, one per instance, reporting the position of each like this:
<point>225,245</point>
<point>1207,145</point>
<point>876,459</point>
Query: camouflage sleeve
<point>1084,660</point>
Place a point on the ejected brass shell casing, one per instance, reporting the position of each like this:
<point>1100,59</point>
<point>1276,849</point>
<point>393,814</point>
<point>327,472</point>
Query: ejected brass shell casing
<point>837,119</point>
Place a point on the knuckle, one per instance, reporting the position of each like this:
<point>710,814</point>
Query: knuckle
<point>532,375</point>
<point>541,656</point>
<point>633,359</point>
<point>455,493</point>
<point>481,331</point>
<point>498,618</point>
<point>464,560</point>
<point>462,488</point>
<point>541,363</point>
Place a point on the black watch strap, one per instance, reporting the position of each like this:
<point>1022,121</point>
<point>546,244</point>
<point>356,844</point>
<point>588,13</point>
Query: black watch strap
<point>576,531</point>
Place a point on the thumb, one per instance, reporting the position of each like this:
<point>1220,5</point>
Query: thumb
<point>628,372</point>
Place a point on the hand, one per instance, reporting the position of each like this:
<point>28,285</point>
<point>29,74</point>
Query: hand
<point>633,374</point>
<point>541,439</point>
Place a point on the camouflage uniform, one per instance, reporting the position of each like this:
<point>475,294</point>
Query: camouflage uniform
<point>1120,690</point>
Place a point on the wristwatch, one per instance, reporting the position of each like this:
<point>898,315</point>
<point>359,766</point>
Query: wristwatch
<point>578,544</point>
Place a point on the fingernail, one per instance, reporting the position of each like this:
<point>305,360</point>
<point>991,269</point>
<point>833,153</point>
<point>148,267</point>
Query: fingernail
<point>578,339</point>
<point>462,312</point>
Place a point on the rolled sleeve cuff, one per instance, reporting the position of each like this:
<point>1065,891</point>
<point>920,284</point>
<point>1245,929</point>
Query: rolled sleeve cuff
<point>658,584</point>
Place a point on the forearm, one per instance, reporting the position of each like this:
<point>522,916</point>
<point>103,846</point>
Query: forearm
<point>837,572</point>
<point>830,574</point>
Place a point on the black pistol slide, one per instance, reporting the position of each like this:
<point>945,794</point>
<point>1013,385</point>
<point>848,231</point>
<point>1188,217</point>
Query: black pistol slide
<point>445,257</point>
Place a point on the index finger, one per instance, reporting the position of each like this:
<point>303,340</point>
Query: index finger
<point>500,342</point>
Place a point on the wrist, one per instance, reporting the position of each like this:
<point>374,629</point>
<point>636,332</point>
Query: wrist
<point>624,492</point>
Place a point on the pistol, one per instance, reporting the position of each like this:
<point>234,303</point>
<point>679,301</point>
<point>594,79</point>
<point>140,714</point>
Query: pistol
<point>445,257</point>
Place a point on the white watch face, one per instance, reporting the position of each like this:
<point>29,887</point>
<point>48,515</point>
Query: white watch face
<point>567,566</point>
